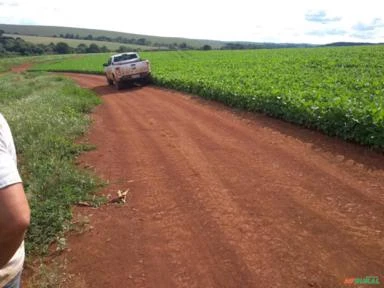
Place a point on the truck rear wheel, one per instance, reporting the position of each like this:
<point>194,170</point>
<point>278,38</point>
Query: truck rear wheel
<point>146,80</point>
<point>118,85</point>
<point>110,82</point>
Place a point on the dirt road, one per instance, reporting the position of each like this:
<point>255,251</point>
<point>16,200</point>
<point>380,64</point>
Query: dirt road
<point>220,198</point>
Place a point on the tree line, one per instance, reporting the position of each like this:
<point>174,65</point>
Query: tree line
<point>18,46</point>
<point>136,41</point>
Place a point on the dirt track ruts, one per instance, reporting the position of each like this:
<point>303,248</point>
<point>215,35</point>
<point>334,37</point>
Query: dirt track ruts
<point>220,198</point>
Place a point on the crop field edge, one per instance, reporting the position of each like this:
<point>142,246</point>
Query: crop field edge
<point>364,131</point>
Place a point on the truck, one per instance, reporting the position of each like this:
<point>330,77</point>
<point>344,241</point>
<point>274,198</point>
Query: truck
<point>127,68</point>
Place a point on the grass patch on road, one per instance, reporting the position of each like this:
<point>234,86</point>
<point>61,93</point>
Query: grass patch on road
<point>7,63</point>
<point>47,113</point>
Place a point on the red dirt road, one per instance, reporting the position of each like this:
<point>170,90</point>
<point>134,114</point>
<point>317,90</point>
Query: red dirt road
<point>21,68</point>
<point>220,198</point>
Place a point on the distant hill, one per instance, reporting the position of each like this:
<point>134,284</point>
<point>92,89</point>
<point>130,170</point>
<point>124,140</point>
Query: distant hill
<point>54,31</point>
<point>112,39</point>
<point>46,34</point>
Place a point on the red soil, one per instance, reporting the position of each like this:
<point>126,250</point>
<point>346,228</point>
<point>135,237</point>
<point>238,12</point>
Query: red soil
<point>220,198</point>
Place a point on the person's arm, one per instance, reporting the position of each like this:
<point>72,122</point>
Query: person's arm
<point>14,220</point>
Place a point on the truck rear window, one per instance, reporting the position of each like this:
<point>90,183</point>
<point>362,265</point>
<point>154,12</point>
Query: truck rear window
<point>124,57</point>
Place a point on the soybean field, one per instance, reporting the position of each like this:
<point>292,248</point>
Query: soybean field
<point>339,91</point>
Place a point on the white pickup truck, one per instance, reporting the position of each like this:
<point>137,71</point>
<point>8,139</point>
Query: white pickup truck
<point>127,67</point>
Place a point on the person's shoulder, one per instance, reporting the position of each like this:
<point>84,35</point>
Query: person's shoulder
<point>5,132</point>
<point>3,122</point>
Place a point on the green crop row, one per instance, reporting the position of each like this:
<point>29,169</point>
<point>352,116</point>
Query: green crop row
<point>339,91</point>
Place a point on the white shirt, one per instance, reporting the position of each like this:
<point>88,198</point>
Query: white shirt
<point>9,175</point>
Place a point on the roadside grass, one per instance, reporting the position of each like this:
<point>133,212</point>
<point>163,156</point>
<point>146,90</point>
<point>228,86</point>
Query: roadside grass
<point>47,113</point>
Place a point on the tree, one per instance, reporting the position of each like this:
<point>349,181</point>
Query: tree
<point>50,48</point>
<point>142,41</point>
<point>183,45</point>
<point>62,48</point>
<point>2,49</point>
<point>1,32</point>
<point>104,49</point>
<point>22,47</point>
<point>81,48</point>
<point>123,49</point>
<point>93,48</point>
<point>206,47</point>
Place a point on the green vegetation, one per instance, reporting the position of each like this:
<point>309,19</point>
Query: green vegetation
<point>74,43</point>
<point>46,114</point>
<point>339,91</point>
<point>10,46</point>
<point>91,64</point>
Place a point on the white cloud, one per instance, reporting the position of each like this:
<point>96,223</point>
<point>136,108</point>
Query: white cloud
<point>267,21</point>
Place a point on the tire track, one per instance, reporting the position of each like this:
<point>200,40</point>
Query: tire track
<point>220,199</point>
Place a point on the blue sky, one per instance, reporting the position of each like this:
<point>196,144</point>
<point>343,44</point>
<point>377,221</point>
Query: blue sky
<point>295,21</point>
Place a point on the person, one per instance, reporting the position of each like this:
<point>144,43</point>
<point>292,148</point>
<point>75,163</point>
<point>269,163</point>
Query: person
<point>14,212</point>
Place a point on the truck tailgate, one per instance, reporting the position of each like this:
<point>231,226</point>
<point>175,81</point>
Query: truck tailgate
<point>132,69</point>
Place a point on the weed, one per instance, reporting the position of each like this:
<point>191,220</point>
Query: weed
<point>52,275</point>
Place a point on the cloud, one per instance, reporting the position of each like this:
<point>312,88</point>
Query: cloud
<point>368,30</point>
<point>320,16</point>
<point>27,21</point>
<point>316,21</point>
<point>363,27</point>
<point>327,32</point>
<point>373,25</point>
<point>8,3</point>
<point>365,36</point>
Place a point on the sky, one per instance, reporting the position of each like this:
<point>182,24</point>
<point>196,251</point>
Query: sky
<point>279,21</point>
